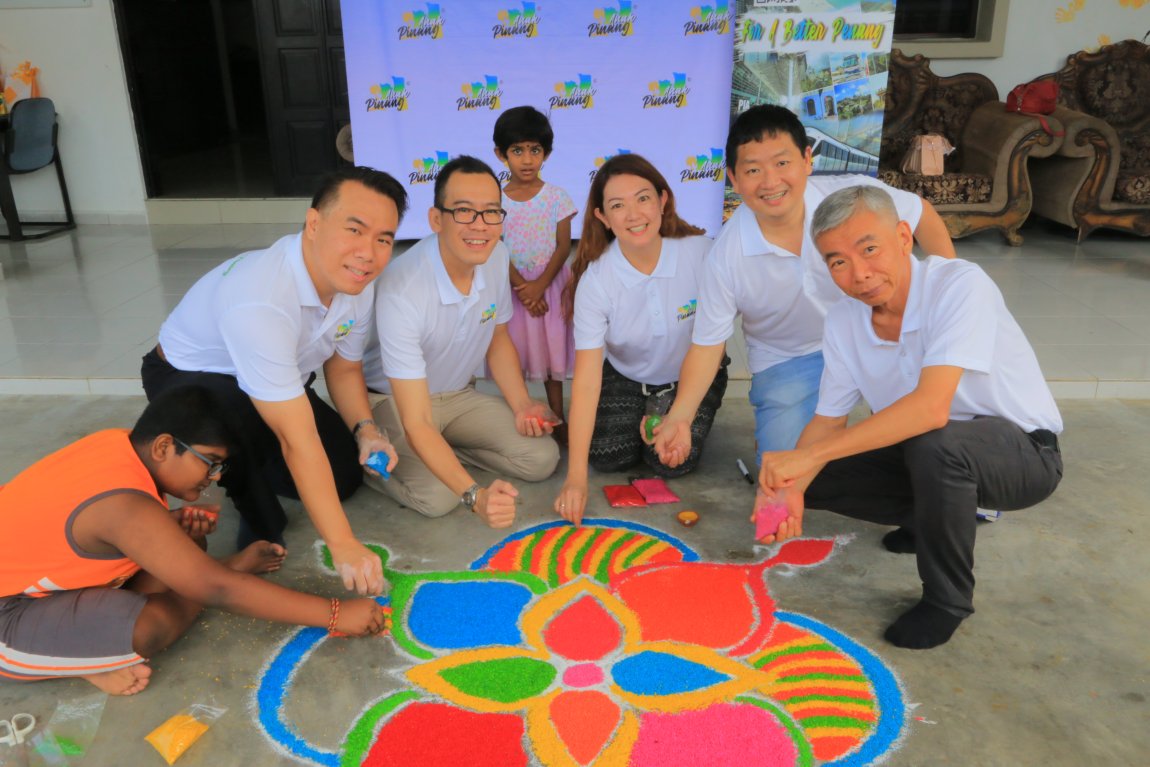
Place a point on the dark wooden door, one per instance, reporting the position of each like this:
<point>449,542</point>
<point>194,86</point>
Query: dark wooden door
<point>305,88</point>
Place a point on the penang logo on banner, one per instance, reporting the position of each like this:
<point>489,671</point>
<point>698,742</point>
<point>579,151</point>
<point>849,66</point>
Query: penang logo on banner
<point>579,92</point>
<point>668,93</point>
<point>705,18</point>
<point>517,22</point>
<point>704,167</point>
<point>391,95</point>
<point>427,23</point>
<point>485,93</point>
<point>600,160</point>
<point>427,168</point>
<point>613,21</point>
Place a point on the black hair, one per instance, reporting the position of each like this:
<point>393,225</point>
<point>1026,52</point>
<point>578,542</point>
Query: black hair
<point>192,414</point>
<point>523,124</point>
<point>769,119</point>
<point>375,180</point>
<point>464,163</point>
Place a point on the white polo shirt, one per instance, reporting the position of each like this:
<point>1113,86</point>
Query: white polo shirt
<point>643,322</point>
<point>955,315</point>
<point>427,328</point>
<point>782,296</point>
<point>259,318</point>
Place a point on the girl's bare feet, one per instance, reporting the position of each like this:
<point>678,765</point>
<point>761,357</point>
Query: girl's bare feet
<point>123,681</point>
<point>258,557</point>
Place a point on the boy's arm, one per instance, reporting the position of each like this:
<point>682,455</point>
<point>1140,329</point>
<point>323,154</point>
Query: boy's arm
<point>293,423</point>
<point>138,527</point>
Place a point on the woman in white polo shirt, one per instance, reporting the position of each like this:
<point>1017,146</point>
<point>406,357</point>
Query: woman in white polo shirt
<point>632,298</point>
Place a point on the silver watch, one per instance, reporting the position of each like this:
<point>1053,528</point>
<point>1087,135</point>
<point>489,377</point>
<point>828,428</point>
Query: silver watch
<point>470,497</point>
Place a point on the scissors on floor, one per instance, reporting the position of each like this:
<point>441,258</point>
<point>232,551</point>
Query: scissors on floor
<point>12,731</point>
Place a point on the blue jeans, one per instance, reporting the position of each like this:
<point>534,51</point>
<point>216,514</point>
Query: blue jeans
<point>784,398</point>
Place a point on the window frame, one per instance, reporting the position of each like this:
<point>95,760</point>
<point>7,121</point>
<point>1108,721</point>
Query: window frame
<point>989,40</point>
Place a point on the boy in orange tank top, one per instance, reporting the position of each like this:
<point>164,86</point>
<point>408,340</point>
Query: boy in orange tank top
<point>92,517</point>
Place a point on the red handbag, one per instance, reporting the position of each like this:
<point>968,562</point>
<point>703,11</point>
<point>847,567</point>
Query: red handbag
<point>1035,98</point>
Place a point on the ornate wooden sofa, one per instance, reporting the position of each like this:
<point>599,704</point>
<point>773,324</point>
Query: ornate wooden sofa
<point>1100,176</point>
<point>986,185</point>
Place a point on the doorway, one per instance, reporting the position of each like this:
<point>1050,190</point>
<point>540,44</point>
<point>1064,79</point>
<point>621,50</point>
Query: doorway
<point>234,98</point>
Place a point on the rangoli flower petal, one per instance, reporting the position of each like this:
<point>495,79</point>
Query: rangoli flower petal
<point>451,611</point>
<point>440,735</point>
<point>583,631</point>
<point>734,734</point>
<point>581,729</point>
<point>490,679</point>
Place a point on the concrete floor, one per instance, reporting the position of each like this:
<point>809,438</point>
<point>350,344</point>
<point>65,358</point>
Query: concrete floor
<point>1053,669</point>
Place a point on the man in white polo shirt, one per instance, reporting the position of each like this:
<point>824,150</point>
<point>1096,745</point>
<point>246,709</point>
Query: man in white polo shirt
<point>765,267</point>
<point>256,328</point>
<point>962,414</point>
<point>441,310</point>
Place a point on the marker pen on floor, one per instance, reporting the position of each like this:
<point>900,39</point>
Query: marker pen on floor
<point>743,470</point>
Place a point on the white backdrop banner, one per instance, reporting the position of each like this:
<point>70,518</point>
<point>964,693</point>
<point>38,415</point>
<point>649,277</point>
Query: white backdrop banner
<point>426,82</point>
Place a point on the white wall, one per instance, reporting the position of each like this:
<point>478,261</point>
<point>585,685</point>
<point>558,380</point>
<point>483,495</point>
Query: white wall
<point>1040,34</point>
<point>81,70</point>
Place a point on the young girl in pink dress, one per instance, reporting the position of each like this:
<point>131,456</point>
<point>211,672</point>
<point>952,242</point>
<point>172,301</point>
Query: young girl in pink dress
<point>538,234</point>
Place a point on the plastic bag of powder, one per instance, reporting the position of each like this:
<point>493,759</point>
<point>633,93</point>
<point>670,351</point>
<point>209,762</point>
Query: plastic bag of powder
<point>175,736</point>
<point>65,739</point>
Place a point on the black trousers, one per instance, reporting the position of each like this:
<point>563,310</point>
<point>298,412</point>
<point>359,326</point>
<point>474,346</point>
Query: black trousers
<point>259,473</point>
<point>616,443</point>
<point>933,484</point>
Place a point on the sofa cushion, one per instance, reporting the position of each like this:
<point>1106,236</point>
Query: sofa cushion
<point>947,189</point>
<point>1133,188</point>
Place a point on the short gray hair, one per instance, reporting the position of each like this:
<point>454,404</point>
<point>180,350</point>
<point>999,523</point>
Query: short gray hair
<point>838,206</point>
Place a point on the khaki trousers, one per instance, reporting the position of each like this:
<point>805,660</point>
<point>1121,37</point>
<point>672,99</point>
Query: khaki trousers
<point>481,430</point>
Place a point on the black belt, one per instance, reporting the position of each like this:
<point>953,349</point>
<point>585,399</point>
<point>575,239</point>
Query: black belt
<point>1045,438</point>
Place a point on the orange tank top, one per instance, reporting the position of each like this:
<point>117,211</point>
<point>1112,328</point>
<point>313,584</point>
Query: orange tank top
<point>37,553</point>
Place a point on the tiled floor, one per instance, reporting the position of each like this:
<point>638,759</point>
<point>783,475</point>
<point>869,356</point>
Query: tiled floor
<point>77,311</point>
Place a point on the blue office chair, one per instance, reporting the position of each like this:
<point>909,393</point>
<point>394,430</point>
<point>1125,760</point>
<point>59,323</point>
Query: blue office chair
<point>28,145</point>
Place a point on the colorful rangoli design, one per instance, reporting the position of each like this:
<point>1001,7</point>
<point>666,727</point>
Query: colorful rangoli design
<point>606,644</point>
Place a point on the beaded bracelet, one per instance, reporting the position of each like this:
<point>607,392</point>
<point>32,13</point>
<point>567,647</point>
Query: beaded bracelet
<point>334,619</point>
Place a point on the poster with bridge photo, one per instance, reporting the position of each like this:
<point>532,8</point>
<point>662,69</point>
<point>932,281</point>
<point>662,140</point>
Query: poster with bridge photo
<point>825,60</point>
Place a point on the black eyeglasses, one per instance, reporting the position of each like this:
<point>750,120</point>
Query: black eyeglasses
<point>215,468</point>
<point>468,215</point>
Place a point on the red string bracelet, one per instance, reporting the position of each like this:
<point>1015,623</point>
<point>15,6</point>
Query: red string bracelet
<point>334,619</point>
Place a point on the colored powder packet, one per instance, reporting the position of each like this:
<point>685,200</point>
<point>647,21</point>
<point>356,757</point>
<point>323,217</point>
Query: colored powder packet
<point>175,736</point>
<point>770,512</point>
<point>655,490</point>
<point>378,461</point>
<point>623,495</point>
<point>64,740</point>
<point>768,518</point>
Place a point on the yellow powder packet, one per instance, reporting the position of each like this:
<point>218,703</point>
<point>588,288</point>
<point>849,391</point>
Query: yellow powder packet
<point>175,736</point>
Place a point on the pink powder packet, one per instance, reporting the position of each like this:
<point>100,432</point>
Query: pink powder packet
<point>655,490</point>
<point>767,519</point>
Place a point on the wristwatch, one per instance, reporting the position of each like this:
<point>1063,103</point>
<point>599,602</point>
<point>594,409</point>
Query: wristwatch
<point>470,497</point>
